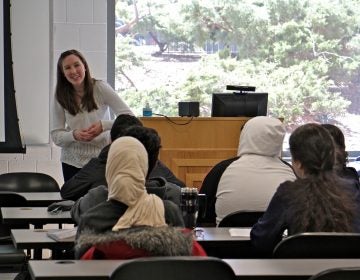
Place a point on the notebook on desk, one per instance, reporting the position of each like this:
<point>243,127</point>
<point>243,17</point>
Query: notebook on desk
<point>242,232</point>
<point>63,234</point>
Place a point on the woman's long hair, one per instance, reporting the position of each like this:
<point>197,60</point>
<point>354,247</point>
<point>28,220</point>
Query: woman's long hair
<point>341,157</point>
<point>65,92</point>
<point>319,201</point>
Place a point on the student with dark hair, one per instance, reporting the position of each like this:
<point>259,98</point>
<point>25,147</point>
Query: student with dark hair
<point>131,218</point>
<point>341,157</point>
<point>80,112</point>
<point>165,190</point>
<point>92,174</point>
<point>318,201</point>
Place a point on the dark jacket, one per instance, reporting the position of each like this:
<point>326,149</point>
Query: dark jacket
<point>278,217</point>
<point>92,175</point>
<point>95,196</point>
<point>350,173</point>
<point>104,216</point>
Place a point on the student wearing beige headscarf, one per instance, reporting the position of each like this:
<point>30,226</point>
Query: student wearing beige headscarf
<point>126,173</point>
<point>132,221</point>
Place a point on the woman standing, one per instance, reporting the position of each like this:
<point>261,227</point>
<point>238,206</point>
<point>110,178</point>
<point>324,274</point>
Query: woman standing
<point>80,113</point>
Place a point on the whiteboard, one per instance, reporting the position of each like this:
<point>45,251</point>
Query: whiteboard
<point>30,25</point>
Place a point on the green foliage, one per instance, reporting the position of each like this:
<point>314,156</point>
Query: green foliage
<point>303,53</point>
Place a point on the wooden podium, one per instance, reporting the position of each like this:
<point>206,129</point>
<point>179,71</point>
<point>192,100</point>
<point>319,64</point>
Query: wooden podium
<point>192,146</point>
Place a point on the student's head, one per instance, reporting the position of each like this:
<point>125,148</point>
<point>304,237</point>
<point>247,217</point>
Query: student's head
<point>262,136</point>
<point>312,150</point>
<point>122,122</point>
<point>73,75</point>
<point>339,140</point>
<point>126,172</point>
<point>149,138</point>
<point>126,168</point>
<point>319,199</point>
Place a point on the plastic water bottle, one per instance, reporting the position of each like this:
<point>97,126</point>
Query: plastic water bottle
<point>147,111</point>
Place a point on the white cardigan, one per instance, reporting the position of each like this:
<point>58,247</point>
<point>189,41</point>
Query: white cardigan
<point>77,153</point>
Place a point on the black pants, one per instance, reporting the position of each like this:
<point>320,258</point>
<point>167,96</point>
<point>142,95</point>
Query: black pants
<point>69,171</point>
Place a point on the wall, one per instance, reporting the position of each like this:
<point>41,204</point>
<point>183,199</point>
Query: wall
<point>30,22</point>
<point>79,24</point>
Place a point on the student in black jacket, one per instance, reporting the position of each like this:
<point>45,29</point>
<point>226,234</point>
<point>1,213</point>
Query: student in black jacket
<point>92,174</point>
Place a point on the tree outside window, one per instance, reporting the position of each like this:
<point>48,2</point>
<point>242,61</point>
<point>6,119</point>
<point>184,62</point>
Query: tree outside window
<point>305,54</point>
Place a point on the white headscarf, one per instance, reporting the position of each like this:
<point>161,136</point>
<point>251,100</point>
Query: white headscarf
<point>126,170</point>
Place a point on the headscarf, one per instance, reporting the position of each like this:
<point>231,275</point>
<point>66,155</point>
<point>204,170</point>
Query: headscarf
<point>262,136</point>
<point>126,170</point>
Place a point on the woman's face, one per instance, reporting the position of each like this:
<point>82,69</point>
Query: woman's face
<point>74,70</point>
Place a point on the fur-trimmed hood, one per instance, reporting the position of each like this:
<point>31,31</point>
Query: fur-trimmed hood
<point>157,241</point>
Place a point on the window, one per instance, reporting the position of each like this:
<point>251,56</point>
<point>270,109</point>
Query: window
<point>305,54</point>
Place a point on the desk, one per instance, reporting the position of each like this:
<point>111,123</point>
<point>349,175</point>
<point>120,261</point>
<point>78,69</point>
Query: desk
<point>245,269</point>
<point>38,239</point>
<point>217,242</point>
<point>41,199</point>
<point>216,234</point>
<point>38,216</point>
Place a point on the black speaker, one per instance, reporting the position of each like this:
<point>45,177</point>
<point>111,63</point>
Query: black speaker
<point>189,109</point>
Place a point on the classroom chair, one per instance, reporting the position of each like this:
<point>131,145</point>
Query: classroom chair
<point>241,218</point>
<point>340,273</point>
<point>319,245</point>
<point>174,268</point>
<point>28,182</point>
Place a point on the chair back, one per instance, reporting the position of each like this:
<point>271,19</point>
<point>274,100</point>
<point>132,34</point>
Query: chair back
<point>241,218</point>
<point>28,182</point>
<point>10,199</point>
<point>174,268</point>
<point>341,273</point>
<point>319,245</point>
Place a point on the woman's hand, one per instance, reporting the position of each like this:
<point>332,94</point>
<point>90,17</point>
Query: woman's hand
<point>82,135</point>
<point>95,129</point>
<point>89,133</point>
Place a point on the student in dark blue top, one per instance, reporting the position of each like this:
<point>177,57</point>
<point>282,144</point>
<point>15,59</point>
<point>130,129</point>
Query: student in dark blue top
<point>319,200</point>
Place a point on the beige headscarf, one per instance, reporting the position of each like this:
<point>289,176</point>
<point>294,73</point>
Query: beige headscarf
<point>126,170</point>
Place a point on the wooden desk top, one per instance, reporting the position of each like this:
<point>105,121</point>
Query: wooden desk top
<point>243,268</point>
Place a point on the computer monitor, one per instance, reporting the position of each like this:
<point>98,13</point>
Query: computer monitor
<point>239,104</point>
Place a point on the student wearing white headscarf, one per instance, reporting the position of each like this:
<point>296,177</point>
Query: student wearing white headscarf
<point>132,221</point>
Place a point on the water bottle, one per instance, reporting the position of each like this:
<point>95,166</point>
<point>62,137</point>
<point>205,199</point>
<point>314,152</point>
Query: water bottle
<point>147,111</point>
